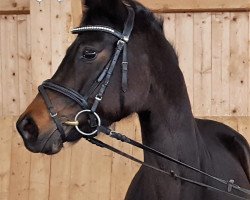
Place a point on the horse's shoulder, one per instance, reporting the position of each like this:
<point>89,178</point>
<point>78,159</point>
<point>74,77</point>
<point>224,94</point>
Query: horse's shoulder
<point>233,141</point>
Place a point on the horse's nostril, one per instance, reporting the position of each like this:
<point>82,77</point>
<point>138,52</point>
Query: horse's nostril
<point>28,129</point>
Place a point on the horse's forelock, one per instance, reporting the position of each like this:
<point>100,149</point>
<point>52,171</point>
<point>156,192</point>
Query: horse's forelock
<point>97,10</point>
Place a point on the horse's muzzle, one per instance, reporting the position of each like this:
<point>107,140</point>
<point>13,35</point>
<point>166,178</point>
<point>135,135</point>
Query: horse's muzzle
<point>28,129</point>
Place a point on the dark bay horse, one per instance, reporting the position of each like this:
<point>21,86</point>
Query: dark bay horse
<point>153,86</point>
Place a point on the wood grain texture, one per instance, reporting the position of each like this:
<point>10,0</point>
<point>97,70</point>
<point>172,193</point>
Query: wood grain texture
<point>24,61</point>
<point>239,64</point>
<point>40,42</point>
<point>23,6</point>
<point>220,64</point>
<point>14,6</point>
<point>197,5</point>
<point>9,65</point>
<point>77,10</point>
<point>169,27</point>
<point>80,179</point>
<point>20,167</point>
<point>202,64</point>
<point>5,156</point>
<point>185,48</point>
<point>248,63</point>
<point>1,73</point>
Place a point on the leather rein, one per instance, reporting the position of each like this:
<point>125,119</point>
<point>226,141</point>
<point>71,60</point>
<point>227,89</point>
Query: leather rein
<point>102,83</point>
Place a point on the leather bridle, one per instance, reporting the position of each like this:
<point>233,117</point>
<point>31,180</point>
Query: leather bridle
<point>103,79</point>
<point>101,84</point>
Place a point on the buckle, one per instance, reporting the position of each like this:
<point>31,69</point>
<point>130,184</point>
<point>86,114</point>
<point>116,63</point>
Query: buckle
<point>230,185</point>
<point>120,44</point>
<point>53,115</point>
<point>125,66</point>
<point>98,98</point>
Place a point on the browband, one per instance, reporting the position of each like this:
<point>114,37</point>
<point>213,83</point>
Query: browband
<point>128,27</point>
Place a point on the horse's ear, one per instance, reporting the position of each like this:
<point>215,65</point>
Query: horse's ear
<point>92,4</point>
<point>115,9</point>
<point>109,6</point>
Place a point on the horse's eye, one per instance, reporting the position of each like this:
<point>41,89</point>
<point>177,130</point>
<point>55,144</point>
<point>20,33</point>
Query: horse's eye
<point>88,55</point>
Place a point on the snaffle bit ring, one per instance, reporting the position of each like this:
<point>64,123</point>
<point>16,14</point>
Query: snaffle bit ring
<point>98,123</point>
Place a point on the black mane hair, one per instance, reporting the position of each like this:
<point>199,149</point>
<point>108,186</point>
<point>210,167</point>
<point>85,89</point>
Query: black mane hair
<point>117,15</point>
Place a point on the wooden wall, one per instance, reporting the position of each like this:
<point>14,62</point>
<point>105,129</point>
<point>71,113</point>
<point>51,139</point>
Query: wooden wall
<point>213,49</point>
<point>168,6</point>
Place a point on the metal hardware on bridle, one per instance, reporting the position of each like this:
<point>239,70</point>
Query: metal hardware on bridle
<point>102,83</point>
<point>98,123</point>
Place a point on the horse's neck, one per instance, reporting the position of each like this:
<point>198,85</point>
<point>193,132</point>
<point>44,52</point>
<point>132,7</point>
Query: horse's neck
<point>172,130</point>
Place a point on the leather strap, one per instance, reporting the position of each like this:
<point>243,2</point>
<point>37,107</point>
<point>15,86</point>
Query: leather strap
<point>104,76</point>
<point>99,96</point>
<point>132,142</point>
<point>171,173</point>
<point>72,94</point>
<point>52,111</point>
<point>125,69</point>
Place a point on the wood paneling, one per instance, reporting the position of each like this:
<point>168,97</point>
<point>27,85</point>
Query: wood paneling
<point>196,5</point>
<point>213,53</point>
<point>10,70</point>
<point>239,64</point>
<point>23,6</point>
<point>20,167</point>
<point>14,6</point>
<point>220,63</point>
<point>184,43</point>
<point>202,67</point>
<point>5,156</point>
<point>24,61</point>
<point>15,64</point>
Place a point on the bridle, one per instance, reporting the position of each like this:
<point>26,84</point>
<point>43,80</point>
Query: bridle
<point>101,84</point>
<point>103,79</point>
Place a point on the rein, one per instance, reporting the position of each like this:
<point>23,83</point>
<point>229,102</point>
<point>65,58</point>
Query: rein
<point>102,83</point>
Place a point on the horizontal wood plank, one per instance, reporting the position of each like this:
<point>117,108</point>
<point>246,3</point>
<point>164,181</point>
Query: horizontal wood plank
<point>14,7</point>
<point>23,7</point>
<point>165,6</point>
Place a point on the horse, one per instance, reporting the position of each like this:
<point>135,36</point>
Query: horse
<point>123,64</point>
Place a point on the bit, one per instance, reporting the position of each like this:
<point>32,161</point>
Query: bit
<point>71,123</point>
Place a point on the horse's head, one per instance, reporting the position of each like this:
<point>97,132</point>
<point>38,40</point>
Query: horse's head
<point>84,63</point>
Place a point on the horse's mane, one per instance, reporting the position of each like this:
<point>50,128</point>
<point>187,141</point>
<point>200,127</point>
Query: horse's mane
<point>150,17</point>
<point>146,17</point>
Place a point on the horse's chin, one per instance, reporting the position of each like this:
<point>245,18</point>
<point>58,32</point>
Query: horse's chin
<point>52,144</point>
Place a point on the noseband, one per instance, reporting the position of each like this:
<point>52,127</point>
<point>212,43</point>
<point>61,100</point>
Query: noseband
<point>103,79</point>
<point>102,83</point>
